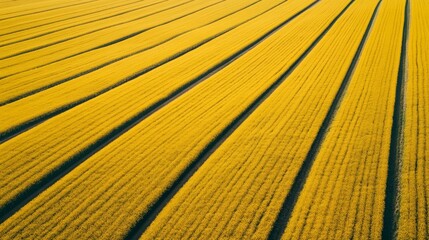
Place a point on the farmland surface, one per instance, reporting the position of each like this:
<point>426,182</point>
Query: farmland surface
<point>214,119</point>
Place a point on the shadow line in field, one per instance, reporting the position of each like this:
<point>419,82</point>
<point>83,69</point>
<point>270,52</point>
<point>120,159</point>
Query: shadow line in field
<point>391,200</point>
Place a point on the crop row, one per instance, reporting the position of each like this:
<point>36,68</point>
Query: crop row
<point>414,173</point>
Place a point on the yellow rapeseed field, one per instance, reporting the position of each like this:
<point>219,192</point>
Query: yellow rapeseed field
<point>214,119</point>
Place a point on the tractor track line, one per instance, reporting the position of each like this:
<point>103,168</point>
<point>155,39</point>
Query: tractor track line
<point>145,221</point>
<point>291,198</point>
<point>37,90</point>
<point>33,191</point>
<point>391,200</point>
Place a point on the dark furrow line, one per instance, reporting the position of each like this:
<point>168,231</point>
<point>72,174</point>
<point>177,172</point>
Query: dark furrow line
<point>30,193</point>
<point>75,25</point>
<point>14,131</point>
<point>32,92</point>
<point>145,221</point>
<point>391,200</point>
<point>291,198</point>
<point>47,10</point>
<point>96,30</point>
